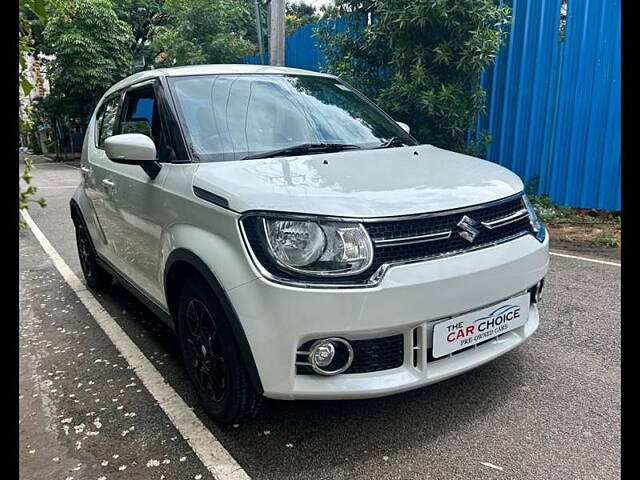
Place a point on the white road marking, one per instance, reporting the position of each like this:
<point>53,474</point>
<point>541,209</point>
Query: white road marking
<point>205,445</point>
<point>585,259</point>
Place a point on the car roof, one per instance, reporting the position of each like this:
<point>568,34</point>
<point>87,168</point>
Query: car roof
<point>218,69</point>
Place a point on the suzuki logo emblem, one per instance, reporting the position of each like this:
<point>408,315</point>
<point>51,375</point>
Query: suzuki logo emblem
<point>467,225</point>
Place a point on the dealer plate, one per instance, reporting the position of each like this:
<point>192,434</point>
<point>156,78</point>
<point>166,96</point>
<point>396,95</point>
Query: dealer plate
<point>475,327</point>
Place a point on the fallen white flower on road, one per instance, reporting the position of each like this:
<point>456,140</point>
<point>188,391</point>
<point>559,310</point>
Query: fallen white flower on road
<point>491,465</point>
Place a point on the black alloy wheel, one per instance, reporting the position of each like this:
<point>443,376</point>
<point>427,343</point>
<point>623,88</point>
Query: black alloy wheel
<point>211,356</point>
<point>95,276</point>
<point>204,355</point>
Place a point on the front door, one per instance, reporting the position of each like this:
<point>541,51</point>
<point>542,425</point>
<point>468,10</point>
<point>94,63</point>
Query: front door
<point>97,175</point>
<point>138,198</point>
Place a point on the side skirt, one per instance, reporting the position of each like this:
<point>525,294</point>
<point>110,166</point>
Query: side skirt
<point>146,301</point>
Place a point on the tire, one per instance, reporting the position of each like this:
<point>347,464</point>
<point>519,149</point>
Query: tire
<point>211,357</point>
<point>95,276</point>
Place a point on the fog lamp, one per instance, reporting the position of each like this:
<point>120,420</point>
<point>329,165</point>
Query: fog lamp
<point>330,356</point>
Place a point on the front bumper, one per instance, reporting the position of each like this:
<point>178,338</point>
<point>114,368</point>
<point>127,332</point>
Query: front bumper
<point>278,319</point>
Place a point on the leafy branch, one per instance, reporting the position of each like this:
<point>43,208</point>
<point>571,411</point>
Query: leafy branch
<point>25,46</point>
<point>420,60</point>
<point>25,195</point>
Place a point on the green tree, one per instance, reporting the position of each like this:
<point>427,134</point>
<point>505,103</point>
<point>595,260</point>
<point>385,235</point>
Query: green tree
<point>420,60</point>
<point>298,15</point>
<point>203,31</point>
<point>91,49</point>
<point>143,17</point>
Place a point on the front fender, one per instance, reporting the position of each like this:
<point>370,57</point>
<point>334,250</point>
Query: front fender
<point>225,261</point>
<point>223,252</point>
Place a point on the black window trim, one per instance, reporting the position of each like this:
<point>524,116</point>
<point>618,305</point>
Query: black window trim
<point>167,112</point>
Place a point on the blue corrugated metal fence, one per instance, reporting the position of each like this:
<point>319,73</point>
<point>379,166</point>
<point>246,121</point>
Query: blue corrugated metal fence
<point>553,108</point>
<point>300,50</point>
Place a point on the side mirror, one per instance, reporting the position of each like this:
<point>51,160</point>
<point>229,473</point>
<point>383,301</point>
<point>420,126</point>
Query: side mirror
<point>133,149</point>
<point>404,126</point>
<point>130,148</point>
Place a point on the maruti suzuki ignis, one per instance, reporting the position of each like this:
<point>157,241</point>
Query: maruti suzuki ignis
<point>300,242</point>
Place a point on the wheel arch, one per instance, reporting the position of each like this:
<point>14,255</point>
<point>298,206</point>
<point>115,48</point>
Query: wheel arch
<point>182,263</point>
<point>76,214</point>
<point>78,219</point>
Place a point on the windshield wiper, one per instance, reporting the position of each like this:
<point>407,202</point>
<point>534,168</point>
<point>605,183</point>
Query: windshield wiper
<point>303,148</point>
<point>392,142</point>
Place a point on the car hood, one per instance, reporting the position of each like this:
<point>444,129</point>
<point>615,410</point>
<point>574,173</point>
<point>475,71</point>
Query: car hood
<point>359,183</point>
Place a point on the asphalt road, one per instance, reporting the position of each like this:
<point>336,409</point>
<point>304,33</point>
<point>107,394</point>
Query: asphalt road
<point>549,409</point>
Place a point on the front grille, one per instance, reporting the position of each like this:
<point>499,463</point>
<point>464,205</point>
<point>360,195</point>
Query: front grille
<point>371,355</point>
<point>455,244</point>
<point>397,229</point>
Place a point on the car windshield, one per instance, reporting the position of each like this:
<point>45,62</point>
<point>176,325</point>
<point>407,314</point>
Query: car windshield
<point>231,117</point>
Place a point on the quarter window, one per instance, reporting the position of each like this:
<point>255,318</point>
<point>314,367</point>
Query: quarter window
<point>107,120</point>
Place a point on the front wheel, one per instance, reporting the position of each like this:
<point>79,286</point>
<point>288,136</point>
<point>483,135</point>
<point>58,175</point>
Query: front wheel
<point>211,357</point>
<point>95,276</point>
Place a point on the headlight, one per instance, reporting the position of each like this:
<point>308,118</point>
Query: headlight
<point>536,224</point>
<point>293,243</point>
<point>312,247</point>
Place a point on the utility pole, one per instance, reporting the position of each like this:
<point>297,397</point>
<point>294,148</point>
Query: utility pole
<point>276,33</point>
<point>259,31</point>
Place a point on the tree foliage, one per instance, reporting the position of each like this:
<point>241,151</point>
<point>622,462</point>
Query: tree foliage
<point>204,31</point>
<point>32,15</point>
<point>298,15</point>
<point>91,47</point>
<point>420,60</point>
<point>26,194</point>
<point>32,12</point>
<point>143,17</point>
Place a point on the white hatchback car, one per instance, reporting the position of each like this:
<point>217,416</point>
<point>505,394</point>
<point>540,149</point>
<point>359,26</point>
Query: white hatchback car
<point>298,240</point>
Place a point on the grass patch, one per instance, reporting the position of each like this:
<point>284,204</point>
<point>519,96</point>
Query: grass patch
<point>607,239</point>
<point>581,226</point>
<point>557,215</point>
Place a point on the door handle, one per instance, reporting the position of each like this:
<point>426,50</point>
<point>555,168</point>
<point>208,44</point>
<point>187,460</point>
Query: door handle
<point>108,183</point>
<point>85,170</point>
